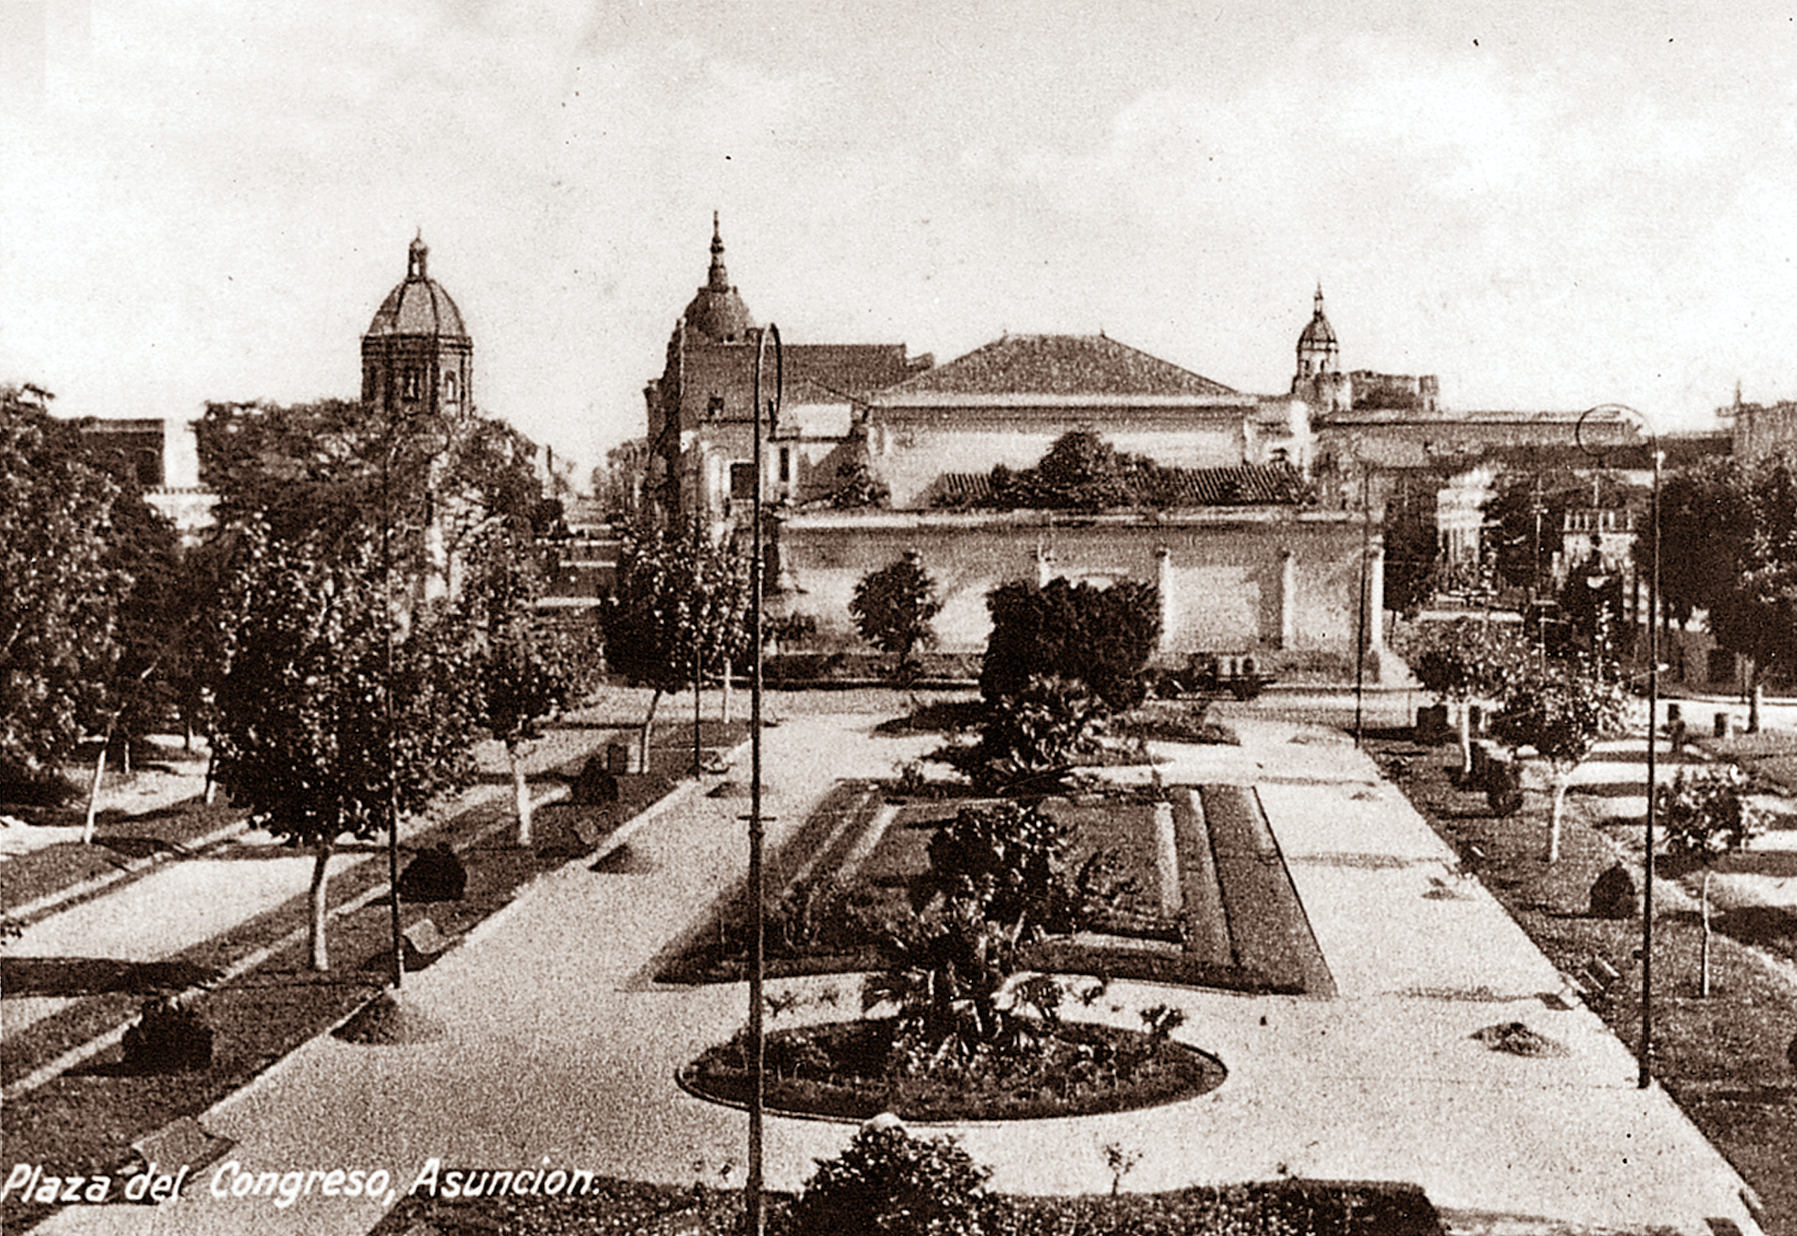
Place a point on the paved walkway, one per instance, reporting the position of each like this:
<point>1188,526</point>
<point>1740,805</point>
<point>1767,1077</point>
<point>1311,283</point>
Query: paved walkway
<point>558,1050</point>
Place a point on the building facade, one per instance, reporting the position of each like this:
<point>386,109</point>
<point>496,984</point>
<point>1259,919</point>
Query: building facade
<point>870,447</point>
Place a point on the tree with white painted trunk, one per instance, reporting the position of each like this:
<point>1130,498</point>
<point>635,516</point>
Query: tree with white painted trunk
<point>325,726</point>
<point>1560,712</point>
<point>679,607</point>
<point>530,668</point>
<point>1707,816</point>
<point>1463,661</point>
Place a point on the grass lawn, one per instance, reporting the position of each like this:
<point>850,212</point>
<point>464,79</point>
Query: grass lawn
<point>87,1118</point>
<point>862,847</point>
<point>1722,1058</point>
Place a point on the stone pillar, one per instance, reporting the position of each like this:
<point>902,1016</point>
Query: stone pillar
<point>1163,582</point>
<point>1288,598</point>
<point>1375,600</point>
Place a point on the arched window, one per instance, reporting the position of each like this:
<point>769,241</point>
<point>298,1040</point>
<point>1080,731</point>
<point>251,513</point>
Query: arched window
<point>411,384</point>
<point>449,387</point>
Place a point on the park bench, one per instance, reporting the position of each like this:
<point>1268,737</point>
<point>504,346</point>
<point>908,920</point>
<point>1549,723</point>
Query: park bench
<point>181,1143</point>
<point>1594,981</point>
<point>423,943</point>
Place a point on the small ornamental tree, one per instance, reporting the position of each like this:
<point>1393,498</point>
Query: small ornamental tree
<point>1562,713</point>
<point>529,668</point>
<point>1463,661</point>
<point>893,607</point>
<point>318,735</point>
<point>1707,816</point>
<point>675,611</point>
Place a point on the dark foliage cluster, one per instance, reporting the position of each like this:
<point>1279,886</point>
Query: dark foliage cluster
<point>1728,534</point>
<point>169,1035</point>
<point>84,564</point>
<point>1001,877</point>
<point>1029,741</point>
<point>887,1181</point>
<point>1080,472</point>
<point>892,608</point>
<point>1101,636</point>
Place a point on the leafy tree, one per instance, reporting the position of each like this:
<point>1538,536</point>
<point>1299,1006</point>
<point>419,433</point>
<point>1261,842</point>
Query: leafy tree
<point>1728,545</point>
<point>1101,636</point>
<point>676,609</point>
<point>1707,816</point>
<point>1083,472</point>
<point>1412,549</point>
<point>1704,523</point>
<point>61,586</point>
<point>893,607</point>
<point>529,667</point>
<point>1463,661</point>
<point>137,689</point>
<point>1524,518</point>
<point>1756,612</point>
<point>332,520</point>
<point>1562,712</point>
<point>1593,611</point>
<point>323,730</point>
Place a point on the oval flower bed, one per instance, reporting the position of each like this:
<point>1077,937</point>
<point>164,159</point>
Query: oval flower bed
<point>845,1070</point>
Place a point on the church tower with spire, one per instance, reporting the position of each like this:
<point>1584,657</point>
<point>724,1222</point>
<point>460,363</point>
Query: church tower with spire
<point>1319,380</point>
<point>701,415</point>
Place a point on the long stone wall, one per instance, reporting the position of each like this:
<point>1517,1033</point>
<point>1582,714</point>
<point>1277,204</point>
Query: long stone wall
<point>1231,580</point>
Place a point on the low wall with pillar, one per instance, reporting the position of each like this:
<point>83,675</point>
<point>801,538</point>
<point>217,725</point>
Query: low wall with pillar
<point>1236,579</point>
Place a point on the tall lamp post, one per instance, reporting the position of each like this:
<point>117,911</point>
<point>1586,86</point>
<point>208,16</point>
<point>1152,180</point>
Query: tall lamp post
<point>1639,423</point>
<point>752,1187</point>
<point>435,440</point>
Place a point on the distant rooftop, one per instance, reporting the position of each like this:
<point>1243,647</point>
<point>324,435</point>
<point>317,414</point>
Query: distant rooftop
<point>1060,365</point>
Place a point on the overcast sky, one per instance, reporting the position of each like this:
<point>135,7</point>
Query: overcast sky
<point>1547,205</point>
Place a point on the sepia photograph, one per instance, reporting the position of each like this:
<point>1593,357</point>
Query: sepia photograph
<point>745,617</point>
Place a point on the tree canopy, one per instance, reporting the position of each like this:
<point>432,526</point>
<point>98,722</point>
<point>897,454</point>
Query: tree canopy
<point>679,609</point>
<point>893,606</point>
<point>62,583</point>
<point>350,688</point>
<point>529,667</point>
<point>1728,545</point>
<point>1101,636</point>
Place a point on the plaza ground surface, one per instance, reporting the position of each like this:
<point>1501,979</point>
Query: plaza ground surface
<point>558,1047</point>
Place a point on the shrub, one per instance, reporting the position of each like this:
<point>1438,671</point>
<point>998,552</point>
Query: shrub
<point>169,1035</point>
<point>1503,788</point>
<point>1613,894</point>
<point>1014,863</point>
<point>437,874</point>
<point>1102,637</point>
<point>887,1181</point>
<point>1028,740</point>
<point>826,914</point>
